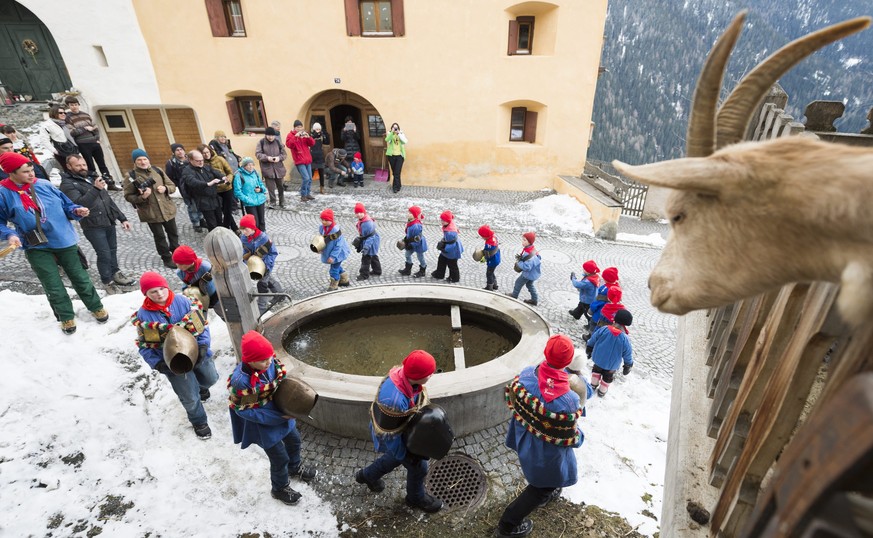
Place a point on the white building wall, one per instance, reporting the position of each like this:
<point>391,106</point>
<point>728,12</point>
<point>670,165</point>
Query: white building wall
<point>78,27</point>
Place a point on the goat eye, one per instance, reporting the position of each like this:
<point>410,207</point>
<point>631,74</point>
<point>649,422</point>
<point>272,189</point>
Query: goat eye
<point>677,218</point>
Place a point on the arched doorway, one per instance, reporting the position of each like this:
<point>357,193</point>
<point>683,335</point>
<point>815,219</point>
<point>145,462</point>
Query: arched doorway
<point>330,109</point>
<point>30,62</point>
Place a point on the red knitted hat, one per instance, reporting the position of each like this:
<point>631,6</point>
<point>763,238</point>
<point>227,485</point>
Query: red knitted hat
<point>184,255</point>
<point>590,267</point>
<point>359,208</point>
<point>530,236</point>
<point>610,275</point>
<point>327,214</point>
<point>446,216</point>
<point>416,211</point>
<point>418,365</point>
<point>248,221</point>
<point>357,155</point>
<point>485,232</point>
<point>255,347</point>
<point>150,280</point>
<point>614,294</point>
<point>559,351</point>
<point>11,161</point>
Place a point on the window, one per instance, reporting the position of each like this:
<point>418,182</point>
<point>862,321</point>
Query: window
<point>376,125</point>
<point>375,18</point>
<point>521,34</point>
<point>247,113</point>
<point>522,125</point>
<point>115,121</point>
<point>226,18</point>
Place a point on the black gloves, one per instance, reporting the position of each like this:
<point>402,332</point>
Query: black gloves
<point>626,369</point>
<point>572,276</point>
<point>162,367</point>
<point>589,350</point>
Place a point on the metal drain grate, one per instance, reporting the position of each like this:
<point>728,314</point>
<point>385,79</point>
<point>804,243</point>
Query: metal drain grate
<point>458,480</point>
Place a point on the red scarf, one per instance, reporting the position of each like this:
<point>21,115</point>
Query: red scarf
<point>450,227</point>
<point>361,222</point>
<point>527,250</point>
<point>609,311</point>
<point>148,304</point>
<point>411,222</point>
<point>255,377</point>
<point>325,230</point>
<point>23,192</point>
<point>189,275</point>
<point>594,278</point>
<point>254,235</point>
<point>403,385</point>
<point>491,241</point>
<point>553,383</point>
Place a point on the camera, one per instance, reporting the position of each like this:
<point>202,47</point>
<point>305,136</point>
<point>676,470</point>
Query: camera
<point>145,184</point>
<point>35,238</point>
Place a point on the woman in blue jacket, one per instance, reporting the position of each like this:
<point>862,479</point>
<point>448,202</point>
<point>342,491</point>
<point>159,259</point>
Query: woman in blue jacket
<point>250,190</point>
<point>450,250</point>
<point>415,242</point>
<point>336,250</point>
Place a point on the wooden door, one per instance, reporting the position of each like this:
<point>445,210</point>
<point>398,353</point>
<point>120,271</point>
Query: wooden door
<point>152,134</point>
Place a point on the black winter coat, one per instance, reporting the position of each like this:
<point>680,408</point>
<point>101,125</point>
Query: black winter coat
<point>104,211</point>
<point>196,179</point>
<point>351,143</point>
<point>317,151</point>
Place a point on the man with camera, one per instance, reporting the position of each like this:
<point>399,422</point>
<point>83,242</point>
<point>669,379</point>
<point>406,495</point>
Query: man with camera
<point>90,190</point>
<point>149,190</point>
<point>41,215</point>
<point>200,182</point>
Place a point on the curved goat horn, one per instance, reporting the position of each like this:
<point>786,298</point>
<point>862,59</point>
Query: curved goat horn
<point>701,120</point>
<point>736,112</point>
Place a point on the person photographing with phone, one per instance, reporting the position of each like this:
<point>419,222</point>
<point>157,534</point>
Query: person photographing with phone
<point>395,150</point>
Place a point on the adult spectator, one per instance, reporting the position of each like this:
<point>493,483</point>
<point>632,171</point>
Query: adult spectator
<point>337,168</point>
<point>225,188</point>
<point>221,146</point>
<point>321,139</point>
<point>395,150</point>
<point>174,168</point>
<point>87,137</point>
<point>201,182</point>
<point>41,215</point>
<point>271,154</point>
<point>299,142</point>
<point>89,190</point>
<point>20,144</point>
<point>149,190</point>
<point>58,138</point>
<point>7,146</point>
<point>249,188</point>
<point>350,138</point>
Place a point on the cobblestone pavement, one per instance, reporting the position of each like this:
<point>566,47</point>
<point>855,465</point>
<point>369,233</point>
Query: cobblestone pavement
<point>653,334</point>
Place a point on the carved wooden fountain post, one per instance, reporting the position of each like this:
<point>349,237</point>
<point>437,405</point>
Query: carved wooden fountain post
<point>233,284</point>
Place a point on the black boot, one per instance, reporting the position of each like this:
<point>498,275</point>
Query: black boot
<point>376,266</point>
<point>576,312</point>
<point>406,271</point>
<point>421,272</point>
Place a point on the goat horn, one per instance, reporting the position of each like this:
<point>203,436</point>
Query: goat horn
<point>736,112</point>
<point>701,120</point>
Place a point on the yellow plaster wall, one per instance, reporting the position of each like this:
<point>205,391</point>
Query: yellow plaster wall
<point>448,81</point>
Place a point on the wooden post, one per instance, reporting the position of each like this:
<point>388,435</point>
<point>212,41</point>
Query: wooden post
<point>233,284</point>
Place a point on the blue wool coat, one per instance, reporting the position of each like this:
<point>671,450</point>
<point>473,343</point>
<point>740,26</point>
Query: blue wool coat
<point>205,267</point>
<point>597,304</point>
<point>587,290</point>
<point>411,233</point>
<point>544,465</point>
<point>530,269</point>
<point>391,397</point>
<point>338,249</point>
<point>244,184</point>
<point>453,250</point>
<point>610,349</point>
<point>494,260</point>
<point>263,426</point>
<point>178,308</point>
<point>58,213</point>
<point>367,229</point>
<point>251,244</point>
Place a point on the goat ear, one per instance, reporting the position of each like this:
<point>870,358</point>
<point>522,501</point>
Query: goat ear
<point>699,174</point>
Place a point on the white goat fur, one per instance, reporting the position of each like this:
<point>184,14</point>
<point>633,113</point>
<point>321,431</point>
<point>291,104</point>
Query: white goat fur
<point>754,216</point>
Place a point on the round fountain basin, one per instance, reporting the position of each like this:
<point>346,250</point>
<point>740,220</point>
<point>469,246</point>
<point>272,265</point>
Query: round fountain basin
<point>344,343</point>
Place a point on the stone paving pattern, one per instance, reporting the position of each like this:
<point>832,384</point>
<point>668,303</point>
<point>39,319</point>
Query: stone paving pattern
<point>653,334</point>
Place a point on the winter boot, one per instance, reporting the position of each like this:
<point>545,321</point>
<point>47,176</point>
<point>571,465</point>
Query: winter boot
<point>601,390</point>
<point>421,272</point>
<point>488,287</point>
<point>406,271</point>
<point>321,189</point>
<point>576,312</point>
<point>530,302</point>
<point>286,495</point>
<point>376,266</point>
<point>552,496</point>
<point>375,487</point>
<point>344,279</point>
<point>522,529</point>
<point>595,380</point>
<point>332,285</point>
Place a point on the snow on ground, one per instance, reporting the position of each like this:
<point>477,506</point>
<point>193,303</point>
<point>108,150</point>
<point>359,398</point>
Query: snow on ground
<point>651,239</point>
<point>92,394</point>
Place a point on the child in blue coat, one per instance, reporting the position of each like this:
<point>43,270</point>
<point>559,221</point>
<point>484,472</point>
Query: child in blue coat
<point>450,250</point>
<point>587,287</point>
<point>257,243</point>
<point>610,279</point>
<point>491,256</point>
<point>197,273</point>
<point>255,419</point>
<point>528,264</point>
<point>543,431</point>
<point>336,250</point>
<point>358,170</point>
<point>609,347</point>
<point>368,242</point>
<point>415,242</point>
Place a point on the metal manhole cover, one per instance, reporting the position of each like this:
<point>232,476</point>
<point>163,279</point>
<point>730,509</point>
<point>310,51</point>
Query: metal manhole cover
<point>458,480</point>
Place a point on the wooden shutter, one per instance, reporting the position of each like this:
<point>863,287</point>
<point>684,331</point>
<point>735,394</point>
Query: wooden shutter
<point>530,127</point>
<point>217,19</point>
<point>512,47</point>
<point>236,123</point>
<point>353,17</point>
<point>397,21</point>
